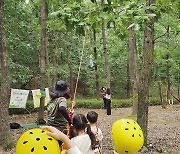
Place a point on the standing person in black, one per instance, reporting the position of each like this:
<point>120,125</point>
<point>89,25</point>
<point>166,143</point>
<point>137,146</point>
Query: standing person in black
<point>108,101</point>
<point>104,96</point>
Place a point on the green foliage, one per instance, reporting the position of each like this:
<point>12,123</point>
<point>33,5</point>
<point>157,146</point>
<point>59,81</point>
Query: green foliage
<point>20,73</point>
<point>67,21</point>
<point>116,103</point>
<point>21,27</point>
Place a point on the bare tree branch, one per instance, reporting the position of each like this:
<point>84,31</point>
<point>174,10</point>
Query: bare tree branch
<point>159,36</point>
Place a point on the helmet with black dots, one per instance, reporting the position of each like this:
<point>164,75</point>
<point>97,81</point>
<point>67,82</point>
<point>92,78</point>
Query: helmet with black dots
<point>127,136</point>
<point>36,141</point>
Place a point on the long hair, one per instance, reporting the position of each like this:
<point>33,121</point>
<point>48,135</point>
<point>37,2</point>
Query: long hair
<point>80,123</point>
<point>54,95</point>
<point>108,91</point>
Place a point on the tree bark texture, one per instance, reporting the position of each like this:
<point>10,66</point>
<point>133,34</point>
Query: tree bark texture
<point>108,73</point>
<point>158,78</point>
<point>168,82</point>
<point>167,69</point>
<point>178,86</point>
<point>43,55</point>
<point>48,68</point>
<point>95,65</point>
<point>5,137</point>
<point>133,67</point>
<point>160,91</point>
<point>128,85</point>
<point>145,74</point>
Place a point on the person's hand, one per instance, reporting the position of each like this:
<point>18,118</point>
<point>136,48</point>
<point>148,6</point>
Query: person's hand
<point>73,103</point>
<point>52,131</point>
<point>59,136</point>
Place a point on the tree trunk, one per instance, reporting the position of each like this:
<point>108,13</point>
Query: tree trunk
<point>145,74</point>
<point>69,65</point>
<point>167,70</point>
<point>168,81</point>
<point>54,62</point>
<point>108,73</point>
<point>160,92</point>
<point>48,68</point>
<point>42,55</point>
<point>159,87</point>
<point>133,67</point>
<point>5,136</point>
<point>178,86</point>
<point>95,65</point>
<point>128,85</point>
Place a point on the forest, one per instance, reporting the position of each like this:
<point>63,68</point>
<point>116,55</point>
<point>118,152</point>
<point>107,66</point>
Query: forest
<point>131,47</point>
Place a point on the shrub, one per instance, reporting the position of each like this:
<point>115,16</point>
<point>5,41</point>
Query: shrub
<point>89,103</point>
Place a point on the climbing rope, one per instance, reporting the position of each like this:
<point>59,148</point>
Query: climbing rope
<point>79,69</point>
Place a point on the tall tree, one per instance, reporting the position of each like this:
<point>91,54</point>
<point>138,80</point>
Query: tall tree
<point>5,138</point>
<point>108,73</point>
<point>133,67</point>
<point>168,81</point>
<point>163,103</point>
<point>48,67</point>
<point>43,55</point>
<point>167,68</point>
<point>95,65</point>
<point>145,74</point>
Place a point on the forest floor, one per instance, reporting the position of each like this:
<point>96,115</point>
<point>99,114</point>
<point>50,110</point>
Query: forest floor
<point>163,128</point>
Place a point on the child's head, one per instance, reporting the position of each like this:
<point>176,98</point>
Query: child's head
<point>79,122</point>
<point>92,117</point>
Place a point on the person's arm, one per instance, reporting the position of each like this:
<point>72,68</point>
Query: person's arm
<point>58,135</point>
<point>64,112</point>
<point>100,135</point>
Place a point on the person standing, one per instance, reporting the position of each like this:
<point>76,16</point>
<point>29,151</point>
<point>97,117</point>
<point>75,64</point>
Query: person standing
<point>104,96</point>
<point>108,101</point>
<point>57,107</point>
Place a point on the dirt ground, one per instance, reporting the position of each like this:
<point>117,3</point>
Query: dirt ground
<point>163,129</point>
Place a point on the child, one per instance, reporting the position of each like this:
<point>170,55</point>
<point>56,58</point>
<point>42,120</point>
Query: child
<point>92,118</point>
<point>58,135</point>
<point>81,135</point>
<point>108,101</point>
<point>57,113</point>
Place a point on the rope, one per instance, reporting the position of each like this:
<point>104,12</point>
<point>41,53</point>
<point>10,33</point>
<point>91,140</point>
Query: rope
<point>170,92</point>
<point>79,69</point>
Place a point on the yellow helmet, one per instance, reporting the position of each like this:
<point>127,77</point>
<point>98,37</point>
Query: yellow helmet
<point>36,141</point>
<point>127,136</point>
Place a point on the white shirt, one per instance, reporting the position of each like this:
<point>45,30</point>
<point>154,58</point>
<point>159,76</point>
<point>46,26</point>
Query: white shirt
<point>108,96</point>
<point>74,150</point>
<point>97,132</point>
<point>83,142</point>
